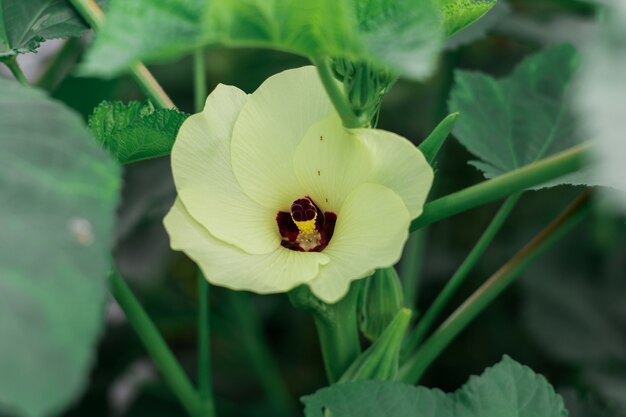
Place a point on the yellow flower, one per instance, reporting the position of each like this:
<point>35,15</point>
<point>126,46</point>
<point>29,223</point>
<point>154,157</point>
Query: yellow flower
<point>273,192</point>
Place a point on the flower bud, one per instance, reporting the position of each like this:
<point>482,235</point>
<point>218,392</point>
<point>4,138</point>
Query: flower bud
<point>381,299</point>
<point>380,361</point>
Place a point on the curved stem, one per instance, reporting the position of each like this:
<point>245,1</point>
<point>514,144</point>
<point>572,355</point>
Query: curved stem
<point>17,71</point>
<point>513,182</point>
<point>461,273</point>
<point>335,94</point>
<point>417,364</point>
<point>92,13</point>
<point>156,347</point>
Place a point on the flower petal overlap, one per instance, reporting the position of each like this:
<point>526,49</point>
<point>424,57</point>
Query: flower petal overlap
<point>240,165</point>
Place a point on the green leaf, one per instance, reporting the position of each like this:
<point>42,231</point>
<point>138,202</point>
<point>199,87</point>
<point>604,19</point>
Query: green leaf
<point>405,35</point>
<point>59,194</point>
<point>508,389</point>
<point>133,132</point>
<point>518,120</point>
<point>24,24</point>
<point>458,14</point>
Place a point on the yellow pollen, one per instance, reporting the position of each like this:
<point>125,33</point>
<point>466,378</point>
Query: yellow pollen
<point>306,227</point>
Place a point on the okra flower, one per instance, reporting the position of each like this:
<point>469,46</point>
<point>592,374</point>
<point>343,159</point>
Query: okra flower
<point>273,192</point>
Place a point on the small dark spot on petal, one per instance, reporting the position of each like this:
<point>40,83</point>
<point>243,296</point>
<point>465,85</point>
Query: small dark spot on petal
<point>321,137</point>
<point>318,173</point>
<point>326,200</point>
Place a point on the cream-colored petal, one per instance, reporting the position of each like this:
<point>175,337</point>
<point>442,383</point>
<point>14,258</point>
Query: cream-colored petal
<point>268,130</point>
<point>372,227</point>
<point>228,266</point>
<point>205,181</point>
<point>331,162</point>
<point>399,165</point>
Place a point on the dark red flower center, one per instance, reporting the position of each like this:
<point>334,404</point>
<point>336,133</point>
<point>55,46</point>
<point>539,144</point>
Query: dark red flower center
<point>305,228</point>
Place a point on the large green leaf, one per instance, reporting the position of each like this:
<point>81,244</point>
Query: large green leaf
<point>402,34</point>
<point>514,121</point>
<point>59,193</point>
<point>24,24</point>
<point>133,132</point>
<point>508,389</point>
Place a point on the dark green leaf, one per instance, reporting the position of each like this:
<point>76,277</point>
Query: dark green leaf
<point>514,121</point>
<point>508,389</point>
<point>24,24</point>
<point>458,14</point>
<point>133,132</point>
<point>402,34</point>
<point>59,193</point>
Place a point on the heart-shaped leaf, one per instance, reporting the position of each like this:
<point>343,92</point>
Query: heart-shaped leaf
<point>507,389</point>
<point>520,119</point>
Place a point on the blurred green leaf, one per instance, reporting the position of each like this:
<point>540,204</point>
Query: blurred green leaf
<point>602,97</point>
<point>506,389</point>
<point>515,121</point>
<point>458,14</point>
<point>406,35</point>
<point>59,193</point>
<point>135,131</point>
<point>24,24</point>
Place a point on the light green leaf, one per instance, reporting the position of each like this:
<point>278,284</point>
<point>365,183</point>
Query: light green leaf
<point>59,194</point>
<point>458,14</point>
<point>24,24</point>
<point>508,389</point>
<point>403,34</point>
<point>518,120</point>
<point>133,132</point>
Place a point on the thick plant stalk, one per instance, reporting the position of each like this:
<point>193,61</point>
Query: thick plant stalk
<point>504,185</point>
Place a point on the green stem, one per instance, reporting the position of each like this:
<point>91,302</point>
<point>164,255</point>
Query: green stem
<point>199,79</point>
<point>157,348</point>
<point>250,330</point>
<point>204,348</point>
<point>411,266</point>
<point>92,13</point>
<point>513,182</point>
<point>417,364</point>
<point>17,71</point>
<point>338,98</point>
<point>339,335</point>
<point>204,330</point>
<point>459,276</point>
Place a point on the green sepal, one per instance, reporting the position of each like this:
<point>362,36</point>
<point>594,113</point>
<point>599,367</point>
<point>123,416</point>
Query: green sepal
<point>365,86</point>
<point>380,301</point>
<point>431,146</point>
<point>380,360</point>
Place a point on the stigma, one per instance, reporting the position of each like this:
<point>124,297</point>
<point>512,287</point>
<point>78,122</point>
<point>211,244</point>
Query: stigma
<point>305,228</point>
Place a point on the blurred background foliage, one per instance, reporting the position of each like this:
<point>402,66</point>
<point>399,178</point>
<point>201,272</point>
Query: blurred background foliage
<point>566,318</point>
